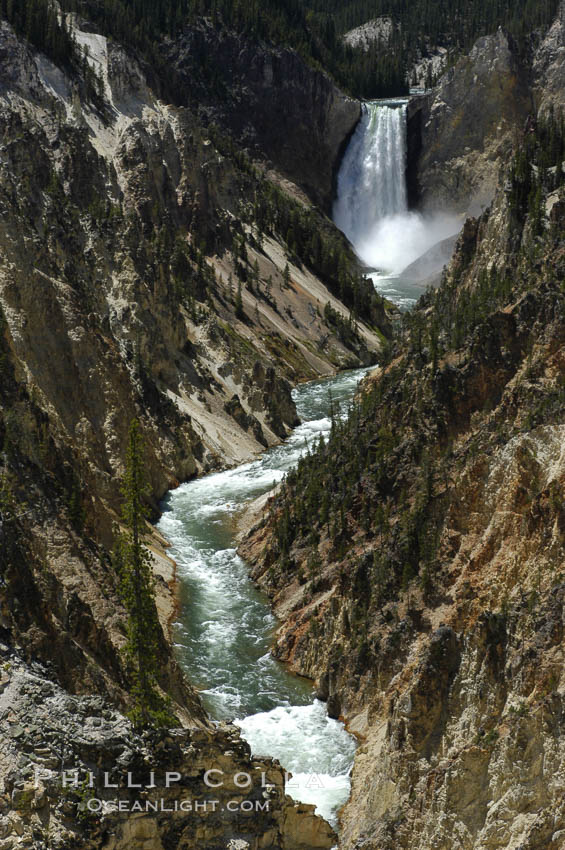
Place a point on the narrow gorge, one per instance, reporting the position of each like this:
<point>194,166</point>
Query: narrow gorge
<point>282,377</point>
<point>225,629</point>
<point>432,623</point>
<point>224,632</point>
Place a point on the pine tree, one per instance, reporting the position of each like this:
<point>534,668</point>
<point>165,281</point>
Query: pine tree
<point>137,589</point>
<point>239,302</point>
<point>269,288</point>
<point>7,520</point>
<point>75,507</point>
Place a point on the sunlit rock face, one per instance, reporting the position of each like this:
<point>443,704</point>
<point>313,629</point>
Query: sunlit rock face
<point>271,101</point>
<point>549,67</point>
<point>468,125</point>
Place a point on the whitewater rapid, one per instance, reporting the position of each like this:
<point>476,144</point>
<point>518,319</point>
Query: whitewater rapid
<point>225,630</point>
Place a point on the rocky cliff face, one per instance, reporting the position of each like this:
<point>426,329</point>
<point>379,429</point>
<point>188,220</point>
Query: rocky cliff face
<point>549,66</point>
<point>417,560</point>
<point>69,763</point>
<point>462,132</point>
<point>137,281</point>
<point>469,123</point>
<point>273,103</point>
<point>111,310</point>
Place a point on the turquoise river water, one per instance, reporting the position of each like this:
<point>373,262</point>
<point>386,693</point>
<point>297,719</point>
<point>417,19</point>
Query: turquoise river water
<point>225,629</point>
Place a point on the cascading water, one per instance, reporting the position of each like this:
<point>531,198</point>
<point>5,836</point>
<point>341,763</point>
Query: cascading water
<point>225,628</point>
<point>371,206</point>
<point>372,180</point>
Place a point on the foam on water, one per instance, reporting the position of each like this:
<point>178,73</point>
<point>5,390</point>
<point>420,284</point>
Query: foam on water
<point>371,207</point>
<point>371,180</point>
<point>311,746</point>
<point>225,629</point>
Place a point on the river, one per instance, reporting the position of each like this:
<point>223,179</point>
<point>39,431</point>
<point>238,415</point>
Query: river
<point>225,628</point>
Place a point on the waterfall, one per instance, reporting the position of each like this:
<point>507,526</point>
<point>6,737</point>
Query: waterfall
<point>372,180</point>
<point>372,210</point>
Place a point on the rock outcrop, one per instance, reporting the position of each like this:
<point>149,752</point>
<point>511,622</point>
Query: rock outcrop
<point>549,67</point>
<point>469,124</point>
<point>417,560</point>
<point>462,132</point>
<point>378,30</point>
<point>427,269</point>
<point>77,777</point>
<point>272,102</point>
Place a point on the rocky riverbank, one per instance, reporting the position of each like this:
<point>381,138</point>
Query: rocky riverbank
<point>144,272</point>
<point>416,559</point>
<point>75,775</point>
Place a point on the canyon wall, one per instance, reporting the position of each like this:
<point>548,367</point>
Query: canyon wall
<point>416,560</point>
<point>272,102</point>
<point>462,132</point>
<point>136,280</point>
<point>425,593</point>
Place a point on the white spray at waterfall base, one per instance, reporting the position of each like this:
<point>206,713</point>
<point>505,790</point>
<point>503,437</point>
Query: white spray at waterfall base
<point>372,178</point>
<point>397,240</point>
<point>372,206</point>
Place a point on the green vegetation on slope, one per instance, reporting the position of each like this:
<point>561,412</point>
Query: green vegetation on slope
<point>137,585</point>
<point>283,22</point>
<point>312,27</point>
<point>456,23</point>
<point>383,482</point>
<point>417,27</point>
<point>37,20</point>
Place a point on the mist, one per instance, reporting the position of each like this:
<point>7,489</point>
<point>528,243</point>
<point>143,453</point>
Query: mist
<point>371,207</point>
<point>398,240</point>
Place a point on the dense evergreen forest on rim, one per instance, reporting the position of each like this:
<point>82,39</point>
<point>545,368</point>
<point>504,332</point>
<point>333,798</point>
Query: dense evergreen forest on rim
<point>313,27</point>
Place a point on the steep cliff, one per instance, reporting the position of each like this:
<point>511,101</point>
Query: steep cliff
<point>549,66</point>
<point>416,559</point>
<point>149,268</point>
<point>271,101</point>
<point>469,123</point>
<point>76,775</point>
<point>461,133</point>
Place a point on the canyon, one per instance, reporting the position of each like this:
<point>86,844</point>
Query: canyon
<point>430,611</point>
<point>125,241</point>
<point>172,258</point>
